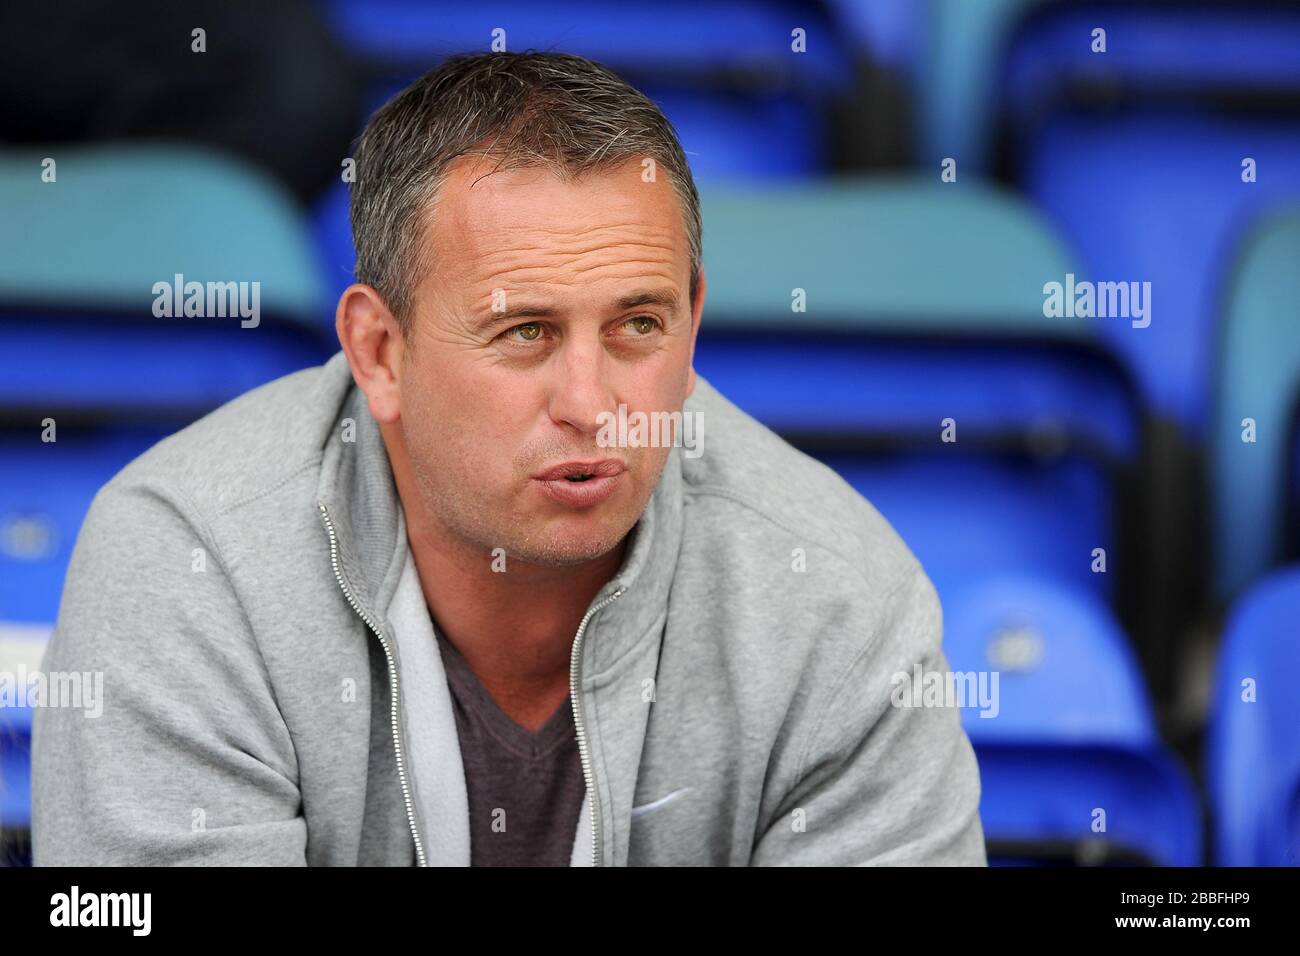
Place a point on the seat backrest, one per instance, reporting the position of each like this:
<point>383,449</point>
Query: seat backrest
<point>1152,47</point>
<point>109,249</point>
<point>1065,674</point>
<point>1070,734</point>
<point>1258,379</point>
<point>1087,805</point>
<point>902,301</point>
<point>665,37</point>
<point>1253,745</point>
<point>968,48</point>
<point>886,254</point>
<point>958,78</point>
<point>1138,154</point>
<point>115,220</point>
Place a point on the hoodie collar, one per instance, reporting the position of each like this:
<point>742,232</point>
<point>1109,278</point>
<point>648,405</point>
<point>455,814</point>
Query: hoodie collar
<point>357,490</point>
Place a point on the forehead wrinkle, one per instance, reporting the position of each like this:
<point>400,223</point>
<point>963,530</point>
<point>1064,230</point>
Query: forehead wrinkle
<point>533,274</point>
<point>541,265</point>
<point>564,241</point>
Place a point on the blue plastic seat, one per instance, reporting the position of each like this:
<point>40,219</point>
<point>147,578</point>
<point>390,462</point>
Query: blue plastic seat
<point>82,255</point>
<point>919,309</point>
<point>1130,209</point>
<point>957,76</point>
<point>1152,47</point>
<point>1253,741</point>
<point>672,37</point>
<point>1259,379</point>
<point>1292,544</point>
<point>332,233</point>
<point>966,515</point>
<point>890,31</point>
<point>873,381</point>
<point>925,283</point>
<point>1071,765</point>
<point>964,49</point>
<point>1137,154</point>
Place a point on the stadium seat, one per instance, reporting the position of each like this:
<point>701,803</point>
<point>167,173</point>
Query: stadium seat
<point>1258,379</point>
<point>922,302</point>
<point>1253,741</point>
<point>964,515</point>
<point>963,48</point>
<point>935,279</point>
<point>1071,766</point>
<point>1292,528</point>
<point>677,36</point>
<point>891,31</point>
<point>1112,145</point>
<point>958,68</point>
<point>80,266</point>
<point>1126,208</point>
<point>1152,47</point>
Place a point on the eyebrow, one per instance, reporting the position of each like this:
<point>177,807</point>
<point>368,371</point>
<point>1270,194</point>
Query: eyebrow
<point>664,298</point>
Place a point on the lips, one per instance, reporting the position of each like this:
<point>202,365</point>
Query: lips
<point>581,484</point>
<point>579,471</point>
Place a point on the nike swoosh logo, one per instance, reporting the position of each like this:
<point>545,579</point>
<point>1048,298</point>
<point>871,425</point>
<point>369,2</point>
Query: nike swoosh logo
<point>658,804</point>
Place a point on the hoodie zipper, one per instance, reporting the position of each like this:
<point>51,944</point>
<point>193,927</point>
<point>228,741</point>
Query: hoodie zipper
<point>575,681</point>
<point>394,712</point>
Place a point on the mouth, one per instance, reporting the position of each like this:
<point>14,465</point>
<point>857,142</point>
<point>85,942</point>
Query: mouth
<point>581,484</point>
<point>580,471</point>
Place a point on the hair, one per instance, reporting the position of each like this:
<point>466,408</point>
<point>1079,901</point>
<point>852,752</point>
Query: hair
<point>552,110</point>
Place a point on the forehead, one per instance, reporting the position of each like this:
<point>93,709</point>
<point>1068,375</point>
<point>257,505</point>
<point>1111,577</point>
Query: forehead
<point>484,215</point>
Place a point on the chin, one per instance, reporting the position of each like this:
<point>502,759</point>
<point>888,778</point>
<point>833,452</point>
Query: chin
<point>572,540</point>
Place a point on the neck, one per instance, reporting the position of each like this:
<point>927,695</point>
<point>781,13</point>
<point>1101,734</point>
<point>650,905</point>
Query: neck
<point>514,630</point>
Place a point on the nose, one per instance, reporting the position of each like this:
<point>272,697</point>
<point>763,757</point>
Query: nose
<point>583,386</point>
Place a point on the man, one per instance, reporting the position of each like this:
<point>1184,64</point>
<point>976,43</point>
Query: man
<point>424,605</point>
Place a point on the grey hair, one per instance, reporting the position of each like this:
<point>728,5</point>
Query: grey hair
<point>552,110</point>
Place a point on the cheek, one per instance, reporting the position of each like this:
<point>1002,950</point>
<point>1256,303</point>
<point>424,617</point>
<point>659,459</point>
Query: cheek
<point>485,424</point>
<point>664,388</point>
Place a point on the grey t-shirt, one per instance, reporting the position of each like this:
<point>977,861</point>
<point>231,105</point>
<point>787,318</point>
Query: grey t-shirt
<point>525,788</point>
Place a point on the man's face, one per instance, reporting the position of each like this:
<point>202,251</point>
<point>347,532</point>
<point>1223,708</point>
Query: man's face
<point>525,329</point>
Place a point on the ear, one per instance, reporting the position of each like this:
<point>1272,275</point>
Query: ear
<point>697,311</point>
<point>372,340</point>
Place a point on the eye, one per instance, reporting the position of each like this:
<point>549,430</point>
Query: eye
<point>643,324</point>
<point>529,332</point>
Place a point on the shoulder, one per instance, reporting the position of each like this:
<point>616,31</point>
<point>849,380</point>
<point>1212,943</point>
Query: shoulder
<point>757,491</point>
<point>801,580</point>
<point>245,448</point>
<point>805,590</point>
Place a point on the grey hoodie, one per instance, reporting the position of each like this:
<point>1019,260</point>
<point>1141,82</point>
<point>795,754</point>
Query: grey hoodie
<point>273,694</point>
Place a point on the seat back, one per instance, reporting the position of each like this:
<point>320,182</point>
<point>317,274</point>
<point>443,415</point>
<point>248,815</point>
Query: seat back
<point>1259,383</point>
<point>1252,744</point>
<point>1071,765</point>
<point>100,256</point>
<point>856,317</point>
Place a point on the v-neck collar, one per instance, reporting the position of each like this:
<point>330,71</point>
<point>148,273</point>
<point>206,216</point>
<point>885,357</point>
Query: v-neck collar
<point>557,729</point>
